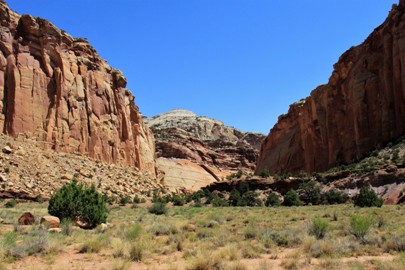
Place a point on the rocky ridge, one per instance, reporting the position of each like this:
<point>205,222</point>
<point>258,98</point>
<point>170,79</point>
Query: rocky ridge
<point>360,109</point>
<point>55,89</point>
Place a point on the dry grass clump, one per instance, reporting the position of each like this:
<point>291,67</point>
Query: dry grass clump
<point>206,261</point>
<point>237,266</point>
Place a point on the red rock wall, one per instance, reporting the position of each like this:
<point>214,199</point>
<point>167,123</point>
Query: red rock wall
<point>361,107</point>
<point>57,90</point>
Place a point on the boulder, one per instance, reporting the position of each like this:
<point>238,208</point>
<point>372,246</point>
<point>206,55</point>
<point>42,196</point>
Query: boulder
<point>26,219</point>
<point>50,222</point>
<point>7,149</point>
<point>55,230</point>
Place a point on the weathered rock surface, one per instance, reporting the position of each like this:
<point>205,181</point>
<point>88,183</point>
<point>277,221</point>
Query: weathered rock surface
<point>56,89</point>
<point>50,221</point>
<point>194,151</point>
<point>184,135</point>
<point>361,107</point>
<point>31,171</point>
<point>26,219</point>
<point>182,174</point>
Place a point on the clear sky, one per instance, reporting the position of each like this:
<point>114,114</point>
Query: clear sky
<point>239,61</point>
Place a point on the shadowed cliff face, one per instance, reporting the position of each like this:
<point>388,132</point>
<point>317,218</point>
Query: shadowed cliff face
<point>55,89</point>
<point>361,107</point>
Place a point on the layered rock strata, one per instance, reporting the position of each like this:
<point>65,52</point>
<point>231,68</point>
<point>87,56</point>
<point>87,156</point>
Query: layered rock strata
<point>182,134</point>
<point>361,108</point>
<point>57,90</point>
<point>194,151</point>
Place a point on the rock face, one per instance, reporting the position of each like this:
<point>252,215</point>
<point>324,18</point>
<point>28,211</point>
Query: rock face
<point>56,89</point>
<point>26,219</point>
<point>361,107</point>
<point>184,135</point>
<point>195,151</point>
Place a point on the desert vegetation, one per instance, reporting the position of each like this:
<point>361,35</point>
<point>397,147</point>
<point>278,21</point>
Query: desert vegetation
<point>163,236</point>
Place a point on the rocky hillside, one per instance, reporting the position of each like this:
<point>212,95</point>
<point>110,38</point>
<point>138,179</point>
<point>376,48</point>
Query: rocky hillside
<point>55,89</point>
<point>27,171</point>
<point>194,151</point>
<point>383,171</point>
<point>183,134</point>
<point>360,109</point>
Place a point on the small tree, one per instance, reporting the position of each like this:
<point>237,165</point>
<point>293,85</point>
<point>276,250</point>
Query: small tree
<point>291,198</point>
<point>272,200</point>
<point>75,201</point>
<point>334,196</point>
<point>251,199</point>
<point>235,198</point>
<point>158,208</point>
<point>310,193</point>
<point>367,198</point>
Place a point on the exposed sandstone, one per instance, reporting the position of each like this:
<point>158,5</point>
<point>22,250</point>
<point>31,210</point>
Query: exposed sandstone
<point>184,135</point>
<point>194,151</point>
<point>361,107</point>
<point>50,222</point>
<point>57,90</point>
<point>26,219</point>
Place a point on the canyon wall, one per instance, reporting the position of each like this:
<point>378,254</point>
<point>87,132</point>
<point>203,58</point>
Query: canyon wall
<point>57,91</point>
<point>361,107</point>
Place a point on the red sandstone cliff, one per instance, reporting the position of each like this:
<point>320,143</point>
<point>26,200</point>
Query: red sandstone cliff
<point>57,90</point>
<point>360,108</point>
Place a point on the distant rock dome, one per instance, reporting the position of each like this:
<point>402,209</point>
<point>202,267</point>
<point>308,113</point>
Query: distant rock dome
<point>177,113</point>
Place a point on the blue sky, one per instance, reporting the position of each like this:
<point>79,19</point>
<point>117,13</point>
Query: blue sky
<point>239,61</point>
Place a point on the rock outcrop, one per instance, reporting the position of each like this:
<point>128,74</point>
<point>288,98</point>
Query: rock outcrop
<point>361,108</point>
<point>184,135</point>
<point>194,151</point>
<point>57,90</point>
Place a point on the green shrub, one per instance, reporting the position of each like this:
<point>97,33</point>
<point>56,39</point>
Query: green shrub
<point>251,199</point>
<point>236,175</point>
<point>272,200</point>
<point>133,232</point>
<point>367,198</point>
<point>334,196</point>
<point>158,208</point>
<point>11,203</point>
<point>318,228</point>
<point>265,173</point>
<point>124,200</point>
<point>178,200</point>
<point>39,199</point>
<point>136,199</point>
<point>235,198</point>
<point>291,198</point>
<point>219,202</point>
<point>310,193</point>
<point>75,201</point>
<point>360,225</point>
